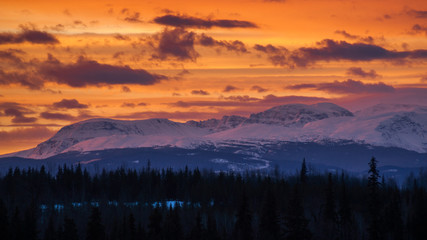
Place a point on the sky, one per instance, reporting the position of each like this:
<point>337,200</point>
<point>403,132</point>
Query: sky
<point>66,61</point>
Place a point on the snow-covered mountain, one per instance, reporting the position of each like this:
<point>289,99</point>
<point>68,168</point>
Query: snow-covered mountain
<point>403,126</point>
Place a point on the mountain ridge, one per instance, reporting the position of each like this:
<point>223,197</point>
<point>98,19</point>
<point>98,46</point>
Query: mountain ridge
<point>401,126</point>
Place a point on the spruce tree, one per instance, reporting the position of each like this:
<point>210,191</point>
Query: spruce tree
<point>303,172</point>
<point>197,230</point>
<point>243,225</point>
<point>295,223</point>
<point>50,233</point>
<point>155,224</point>
<point>269,227</point>
<point>172,226</point>
<point>329,215</point>
<point>4,221</point>
<point>70,230</point>
<point>374,201</point>
<point>95,230</point>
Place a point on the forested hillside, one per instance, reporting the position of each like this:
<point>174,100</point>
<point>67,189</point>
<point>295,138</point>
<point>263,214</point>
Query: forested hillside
<point>193,204</point>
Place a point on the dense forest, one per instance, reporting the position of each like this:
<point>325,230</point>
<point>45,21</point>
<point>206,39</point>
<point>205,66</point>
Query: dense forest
<point>192,204</point>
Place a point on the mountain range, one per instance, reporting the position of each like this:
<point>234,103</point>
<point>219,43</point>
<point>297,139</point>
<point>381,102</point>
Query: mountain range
<point>398,127</point>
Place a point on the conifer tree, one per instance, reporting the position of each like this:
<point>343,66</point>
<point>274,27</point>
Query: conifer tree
<point>50,233</point>
<point>70,230</point>
<point>155,224</point>
<point>269,227</point>
<point>295,223</point>
<point>95,230</point>
<point>329,215</point>
<point>243,225</point>
<point>197,230</point>
<point>4,221</point>
<point>172,226</point>
<point>374,201</point>
<point>303,172</point>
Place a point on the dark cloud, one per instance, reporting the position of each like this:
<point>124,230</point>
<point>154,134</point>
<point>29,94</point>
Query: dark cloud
<point>176,43</point>
<point>193,22</point>
<point>368,39</point>
<point>168,115</point>
<point>236,45</point>
<point>330,50</point>
<point>244,98</point>
<point>70,104</point>
<point>247,101</point>
<point>91,73</point>
<point>423,79</point>
<point>28,35</point>
<point>126,89</point>
<point>25,134</point>
<point>417,13</point>
<point>24,79</point>
<point>199,92</point>
<point>258,89</point>
<point>417,28</point>
<point>18,116</point>
<point>359,72</point>
<point>122,37</point>
<point>230,88</point>
<point>17,112</point>
<point>58,28</point>
<point>127,104</point>
<point>133,17</point>
<point>57,116</point>
<point>10,55</point>
<point>118,54</point>
<point>277,55</point>
<point>348,86</point>
<point>133,105</point>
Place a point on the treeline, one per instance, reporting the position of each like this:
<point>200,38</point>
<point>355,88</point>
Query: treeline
<point>194,204</point>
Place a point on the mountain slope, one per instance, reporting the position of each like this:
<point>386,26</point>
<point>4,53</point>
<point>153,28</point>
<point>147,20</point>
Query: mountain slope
<point>402,126</point>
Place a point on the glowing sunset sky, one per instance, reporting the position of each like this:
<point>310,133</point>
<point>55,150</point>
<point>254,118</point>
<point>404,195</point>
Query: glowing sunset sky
<point>66,61</point>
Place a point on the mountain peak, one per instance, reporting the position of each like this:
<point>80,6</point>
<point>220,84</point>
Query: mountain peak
<point>298,114</point>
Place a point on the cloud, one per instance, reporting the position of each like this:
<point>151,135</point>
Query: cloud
<point>122,37</point>
<point>25,134</point>
<point>417,13</point>
<point>17,112</point>
<point>236,45</point>
<point>199,92</point>
<point>168,115</point>
<point>133,17</point>
<point>359,72</point>
<point>247,101</point>
<point>330,50</point>
<point>244,98</point>
<point>24,79</point>
<point>18,116</point>
<point>28,35</point>
<point>368,39</point>
<point>10,55</point>
<point>348,86</point>
<point>57,116</point>
<point>69,104</point>
<point>176,43</point>
<point>230,88</point>
<point>126,89</point>
<point>91,73</point>
<point>277,55</point>
<point>193,22</point>
<point>417,28</point>
<point>258,89</point>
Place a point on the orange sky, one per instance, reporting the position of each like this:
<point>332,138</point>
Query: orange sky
<point>62,62</point>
